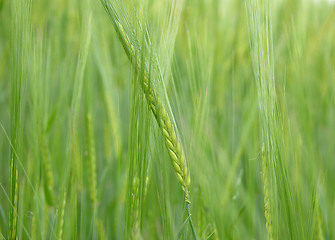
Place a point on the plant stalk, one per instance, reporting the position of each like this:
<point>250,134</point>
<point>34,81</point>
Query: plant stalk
<point>190,220</point>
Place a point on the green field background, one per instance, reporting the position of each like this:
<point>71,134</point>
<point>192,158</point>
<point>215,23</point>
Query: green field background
<point>108,107</point>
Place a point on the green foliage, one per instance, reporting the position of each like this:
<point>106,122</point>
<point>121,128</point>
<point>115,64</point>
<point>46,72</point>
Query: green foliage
<point>108,110</point>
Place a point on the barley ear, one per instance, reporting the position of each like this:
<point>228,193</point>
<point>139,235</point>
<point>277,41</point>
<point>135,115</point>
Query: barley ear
<point>48,175</point>
<point>158,109</point>
<point>92,178</point>
<point>61,216</point>
<point>171,139</point>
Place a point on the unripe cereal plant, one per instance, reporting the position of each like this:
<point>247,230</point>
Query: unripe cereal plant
<point>157,107</point>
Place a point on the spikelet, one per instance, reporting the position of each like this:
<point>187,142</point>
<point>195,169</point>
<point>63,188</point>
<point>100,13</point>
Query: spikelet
<point>61,217</point>
<point>91,161</point>
<point>267,205</point>
<point>47,170</point>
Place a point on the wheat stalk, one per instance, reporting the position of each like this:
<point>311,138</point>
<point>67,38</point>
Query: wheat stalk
<point>13,210</point>
<point>135,205</point>
<point>157,107</point>
<point>267,205</point>
<point>170,137</point>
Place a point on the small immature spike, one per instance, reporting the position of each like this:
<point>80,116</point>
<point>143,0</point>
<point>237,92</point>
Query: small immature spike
<point>61,217</point>
<point>48,175</point>
<point>267,204</point>
<point>91,161</point>
<point>171,140</point>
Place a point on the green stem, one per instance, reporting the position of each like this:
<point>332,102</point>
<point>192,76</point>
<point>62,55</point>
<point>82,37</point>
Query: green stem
<point>190,219</point>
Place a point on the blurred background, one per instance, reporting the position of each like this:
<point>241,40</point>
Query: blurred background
<point>248,84</point>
